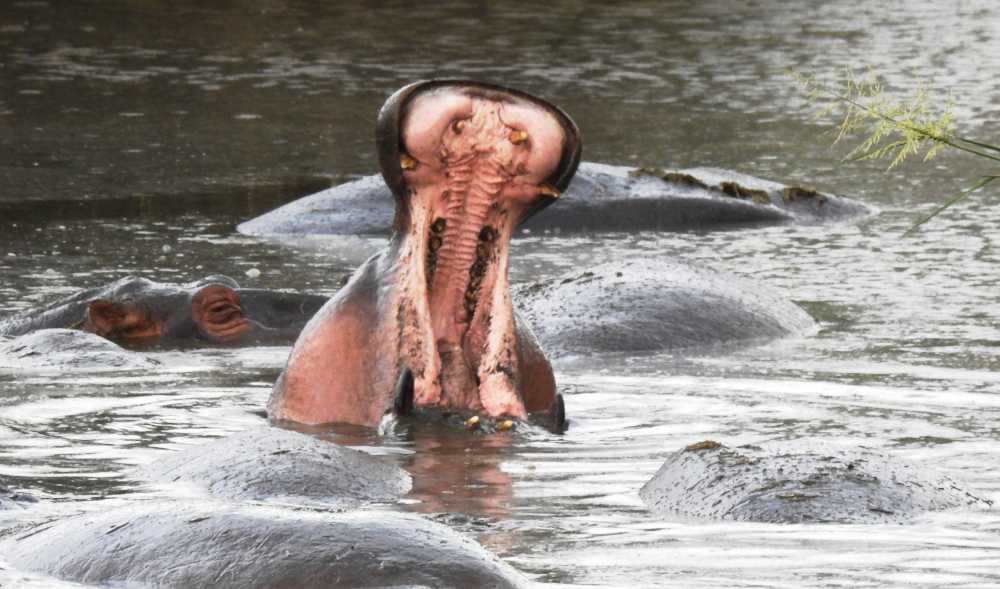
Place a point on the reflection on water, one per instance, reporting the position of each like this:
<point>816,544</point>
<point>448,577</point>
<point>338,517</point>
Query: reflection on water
<point>134,136</point>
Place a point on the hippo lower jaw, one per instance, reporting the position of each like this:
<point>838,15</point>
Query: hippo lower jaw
<point>467,163</point>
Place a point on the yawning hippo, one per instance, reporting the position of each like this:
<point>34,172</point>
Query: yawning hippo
<point>214,309</point>
<point>429,321</point>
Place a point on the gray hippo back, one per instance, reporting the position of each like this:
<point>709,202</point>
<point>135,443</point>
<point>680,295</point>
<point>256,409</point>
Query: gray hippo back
<point>797,482</point>
<point>192,545</point>
<point>652,305</point>
<point>600,198</point>
<point>272,463</point>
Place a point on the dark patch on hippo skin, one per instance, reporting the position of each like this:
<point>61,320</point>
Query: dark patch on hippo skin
<point>64,349</point>
<point>273,463</point>
<point>653,305</point>
<point>798,482</point>
<point>10,499</point>
<point>193,545</point>
<point>600,198</point>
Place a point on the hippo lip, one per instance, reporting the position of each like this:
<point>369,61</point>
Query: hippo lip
<point>467,162</point>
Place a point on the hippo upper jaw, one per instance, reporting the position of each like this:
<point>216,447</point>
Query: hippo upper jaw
<point>467,163</point>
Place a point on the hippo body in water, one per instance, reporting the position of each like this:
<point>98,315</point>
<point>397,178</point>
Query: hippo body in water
<point>648,305</point>
<point>213,310</point>
<point>237,540</point>
<point>799,482</point>
<point>267,463</point>
<point>429,321</point>
<point>601,198</point>
<point>198,544</point>
<point>68,349</point>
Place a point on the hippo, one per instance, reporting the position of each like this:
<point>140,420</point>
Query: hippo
<point>212,310</point>
<point>195,544</point>
<point>601,197</point>
<point>265,463</point>
<point>800,482</point>
<point>69,349</point>
<point>651,305</point>
<point>429,322</point>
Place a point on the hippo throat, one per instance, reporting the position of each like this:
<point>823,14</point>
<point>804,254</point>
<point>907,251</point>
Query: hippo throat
<point>474,168</point>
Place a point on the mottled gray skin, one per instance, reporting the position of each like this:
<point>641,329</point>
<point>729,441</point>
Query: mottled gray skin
<point>272,463</point>
<point>68,349</point>
<point>194,545</point>
<point>273,316</point>
<point>653,305</point>
<point>600,198</point>
<point>791,482</point>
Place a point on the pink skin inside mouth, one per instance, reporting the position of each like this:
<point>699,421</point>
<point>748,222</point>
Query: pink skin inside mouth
<point>478,167</point>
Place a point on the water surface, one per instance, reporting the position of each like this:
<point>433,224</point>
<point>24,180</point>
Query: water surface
<point>134,136</point>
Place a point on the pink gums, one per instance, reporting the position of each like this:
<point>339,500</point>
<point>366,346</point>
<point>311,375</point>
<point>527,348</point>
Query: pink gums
<point>479,168</point>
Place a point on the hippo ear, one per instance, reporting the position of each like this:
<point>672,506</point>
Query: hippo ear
<point>124,320</point>
<point>217,309</point>
<point>106,317</point>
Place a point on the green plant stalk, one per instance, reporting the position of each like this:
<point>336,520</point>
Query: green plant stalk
<point>915,135</point>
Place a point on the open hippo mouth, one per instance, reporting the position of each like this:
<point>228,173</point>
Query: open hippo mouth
<point>431,318</point>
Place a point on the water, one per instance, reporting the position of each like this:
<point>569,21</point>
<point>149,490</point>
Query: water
<point>134,137</point>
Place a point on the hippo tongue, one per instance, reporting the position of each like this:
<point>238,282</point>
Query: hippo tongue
<point>475,164</point>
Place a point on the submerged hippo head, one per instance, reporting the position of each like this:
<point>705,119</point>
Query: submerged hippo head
<point>430,321</point>
<point>214,309</point>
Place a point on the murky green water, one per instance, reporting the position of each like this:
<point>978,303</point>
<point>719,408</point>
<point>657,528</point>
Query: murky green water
<point>135,135</point>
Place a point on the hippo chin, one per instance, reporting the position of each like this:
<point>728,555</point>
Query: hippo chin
<point>429,321</point>
<point>213,310</point>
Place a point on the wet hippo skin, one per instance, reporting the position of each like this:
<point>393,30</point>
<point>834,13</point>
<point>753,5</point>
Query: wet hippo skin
<point>800,482</point>
<point>192,545</point>
<point>430,318</point>
<point>650,305</point>
<point>68,349</point>
<point>272,463</point>
<point>601,198</point>
<point>214,310</point>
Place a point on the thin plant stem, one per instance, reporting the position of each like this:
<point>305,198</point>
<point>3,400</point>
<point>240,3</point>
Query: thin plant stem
<point>867,109</point>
